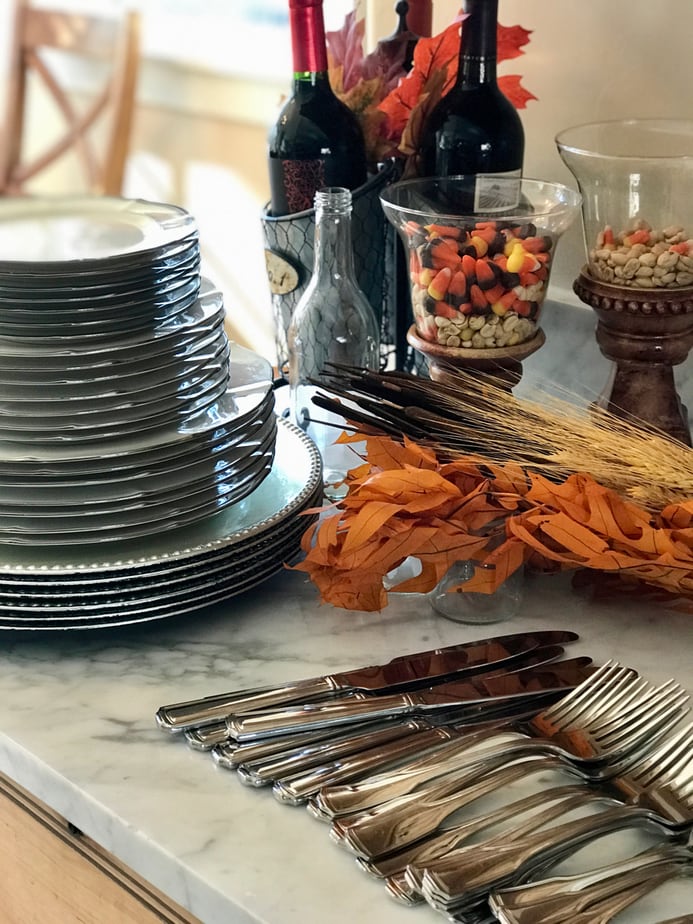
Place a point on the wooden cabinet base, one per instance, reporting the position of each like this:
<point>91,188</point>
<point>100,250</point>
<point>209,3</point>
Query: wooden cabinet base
<point>52,873</point>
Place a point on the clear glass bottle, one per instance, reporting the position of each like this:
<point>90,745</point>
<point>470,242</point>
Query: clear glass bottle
<point>333,323</point>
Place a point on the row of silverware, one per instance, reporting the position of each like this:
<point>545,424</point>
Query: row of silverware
<point>474,778</point>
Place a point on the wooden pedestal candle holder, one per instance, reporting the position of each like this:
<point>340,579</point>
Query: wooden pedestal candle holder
<point>501,364</point>
<point>645,332</point>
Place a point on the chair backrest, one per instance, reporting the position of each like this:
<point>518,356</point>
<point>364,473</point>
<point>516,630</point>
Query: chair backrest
<point>99,132</point>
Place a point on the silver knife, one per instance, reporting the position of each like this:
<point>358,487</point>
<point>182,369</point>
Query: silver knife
<point>206,737</point>
<point>406,672</point>
<point>474,693</point>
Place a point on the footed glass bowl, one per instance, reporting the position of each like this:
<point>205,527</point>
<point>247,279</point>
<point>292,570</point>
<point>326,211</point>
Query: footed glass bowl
<point>478,279</point>
<point>636,179</point>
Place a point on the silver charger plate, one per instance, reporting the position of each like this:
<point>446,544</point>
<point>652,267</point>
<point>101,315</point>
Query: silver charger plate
<point>222,556</point>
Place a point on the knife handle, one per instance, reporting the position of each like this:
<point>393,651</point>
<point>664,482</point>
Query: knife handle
<point>314,715</point>
<point>263,772</point>
<point>296,790</point>
<point>233,753</point>
<point>199,712</point>
<point>205,737</point>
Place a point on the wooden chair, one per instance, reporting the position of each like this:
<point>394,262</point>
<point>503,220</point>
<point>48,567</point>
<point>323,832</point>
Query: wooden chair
<point>99,133</point>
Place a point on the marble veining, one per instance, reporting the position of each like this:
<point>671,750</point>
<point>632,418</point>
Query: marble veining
<point>77,709</point>
<point>77,719</point>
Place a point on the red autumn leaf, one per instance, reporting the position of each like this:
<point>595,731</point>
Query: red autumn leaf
<point>511,40</point>
<point>513,89</point>
<point>432,75</point>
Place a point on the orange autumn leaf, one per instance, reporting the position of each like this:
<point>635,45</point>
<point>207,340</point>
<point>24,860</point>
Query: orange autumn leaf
<point>678,516</point>
<point>368,522</point>
<point>497,567</point>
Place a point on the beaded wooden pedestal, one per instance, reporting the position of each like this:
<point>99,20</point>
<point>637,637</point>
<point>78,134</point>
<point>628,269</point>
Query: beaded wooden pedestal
<point>645,332</point>
<point>502,364</point>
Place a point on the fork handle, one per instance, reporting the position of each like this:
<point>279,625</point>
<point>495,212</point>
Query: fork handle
<point>461,750</point>
<point>475,870</point>
<point>394,825</point>
<point>545,889</point>
<point>434,847</point>
<point>563,905</point>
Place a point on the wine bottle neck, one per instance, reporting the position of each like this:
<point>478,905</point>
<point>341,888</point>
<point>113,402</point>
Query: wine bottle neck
<point>309,52</point>
<point>479,45</point>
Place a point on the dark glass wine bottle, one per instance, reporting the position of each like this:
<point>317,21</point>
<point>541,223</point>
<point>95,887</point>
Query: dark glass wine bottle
<point>316,141</point>
<point>475,130</point>
<point>398,48</point>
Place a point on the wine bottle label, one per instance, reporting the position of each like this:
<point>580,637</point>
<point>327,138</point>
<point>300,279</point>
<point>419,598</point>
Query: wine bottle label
<point>299,180</point>
<point>497,192</point>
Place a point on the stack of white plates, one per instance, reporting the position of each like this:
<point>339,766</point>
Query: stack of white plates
<point>58,389</point>
<point>90,587</point>
<point>125,413</point>
<point>131,484</point>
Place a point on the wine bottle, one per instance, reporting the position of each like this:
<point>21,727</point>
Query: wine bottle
<point>398,49</point>
<point>474,130</point>
<point>333,323</point>
<point>316,140</point>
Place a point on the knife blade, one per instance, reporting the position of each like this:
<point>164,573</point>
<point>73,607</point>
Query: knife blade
<point>400,673</point>
<point>205,737</point>
<point>490,689</point>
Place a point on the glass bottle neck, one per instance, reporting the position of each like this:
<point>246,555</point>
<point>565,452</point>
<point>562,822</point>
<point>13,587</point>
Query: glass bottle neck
<point>309,52</point>
<point>333,250</point>
<point>478,48</point>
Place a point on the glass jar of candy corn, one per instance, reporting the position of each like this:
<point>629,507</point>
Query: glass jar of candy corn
<point>478,280</point>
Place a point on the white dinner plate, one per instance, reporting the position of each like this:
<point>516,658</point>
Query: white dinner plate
<point>77,234</point>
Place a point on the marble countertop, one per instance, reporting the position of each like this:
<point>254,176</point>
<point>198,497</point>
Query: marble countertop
<point>77,726</point>
<point>77,729</point>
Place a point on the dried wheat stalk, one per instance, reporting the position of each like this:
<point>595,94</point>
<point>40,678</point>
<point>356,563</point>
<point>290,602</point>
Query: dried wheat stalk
<point>552,436</point>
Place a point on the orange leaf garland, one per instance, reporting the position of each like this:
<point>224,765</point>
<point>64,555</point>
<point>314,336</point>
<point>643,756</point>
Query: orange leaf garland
<point>403,502</point>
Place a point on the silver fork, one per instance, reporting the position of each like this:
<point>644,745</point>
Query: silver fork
<point>657,793</point>
<point>603,890</point>
<point>405,884</point>
<point>404,819</point>
<point>643,714</point>
<point>392,864</point>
